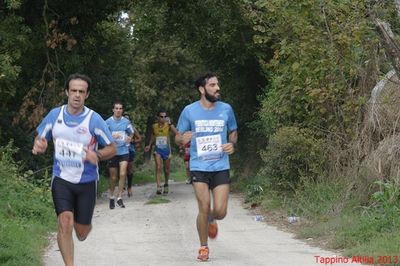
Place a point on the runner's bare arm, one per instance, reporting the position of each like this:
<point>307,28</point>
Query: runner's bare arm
<point>39,145</point>
<point>173,129</point>
<point>107,152</point>
<point>183,139</point>
<point>148,147</point>
<point>129,138</point>
<point>137,138</point>
<point>233,136</point>
<point>229,147</point>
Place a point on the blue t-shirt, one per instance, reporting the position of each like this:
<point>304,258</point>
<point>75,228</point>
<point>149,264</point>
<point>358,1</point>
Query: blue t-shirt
<point>120,130</point>
<point>72,136</point>
<point>210,129</point>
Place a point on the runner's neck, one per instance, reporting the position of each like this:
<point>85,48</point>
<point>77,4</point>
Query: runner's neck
<point>206,104</point>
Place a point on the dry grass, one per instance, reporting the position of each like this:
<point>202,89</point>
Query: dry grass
<point>379,140</point>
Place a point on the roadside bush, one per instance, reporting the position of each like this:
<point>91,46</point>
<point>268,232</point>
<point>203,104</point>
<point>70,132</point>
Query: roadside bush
<point>254,191</point>
<point>386,203</point>
<point>321,199</point>
<point>26,214</point>
<point>292,154</point>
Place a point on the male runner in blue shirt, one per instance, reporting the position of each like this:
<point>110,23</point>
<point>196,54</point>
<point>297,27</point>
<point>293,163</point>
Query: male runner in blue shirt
<point>76,131</point>
<point>122,132</point>
<point>211,127</point>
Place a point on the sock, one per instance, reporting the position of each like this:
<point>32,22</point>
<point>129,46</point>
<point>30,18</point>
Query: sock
<point>129,177</point>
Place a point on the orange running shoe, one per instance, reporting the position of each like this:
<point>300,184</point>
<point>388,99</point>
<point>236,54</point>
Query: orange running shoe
<point>203,253</point>
<point>212,229</point>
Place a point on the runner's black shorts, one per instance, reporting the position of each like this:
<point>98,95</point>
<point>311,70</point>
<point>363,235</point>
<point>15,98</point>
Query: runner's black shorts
<point>213,179</point>
<point>114,162</point>
<point>77,198</point>
<point>131,156</point>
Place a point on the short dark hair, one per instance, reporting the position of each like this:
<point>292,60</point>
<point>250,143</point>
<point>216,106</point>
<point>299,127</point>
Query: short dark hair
<point>118,102</point>
<point>161,111</point>
<point>202,80</point>
<point>78,76</point>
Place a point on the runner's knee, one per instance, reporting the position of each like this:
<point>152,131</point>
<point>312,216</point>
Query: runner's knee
<point>82,231</point>
<point>113,178</point>
<point>204,207</point>
<point>65,222</point>
<point>219,214</point>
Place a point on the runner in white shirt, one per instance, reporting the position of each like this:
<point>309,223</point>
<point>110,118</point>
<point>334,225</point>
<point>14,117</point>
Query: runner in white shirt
<point>76,131</point>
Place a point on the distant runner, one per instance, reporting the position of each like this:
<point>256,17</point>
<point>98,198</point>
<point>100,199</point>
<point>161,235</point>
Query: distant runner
<point>162,152</point>
<point>135,144</point>
<point>186,159</point>
<point>122,132</point>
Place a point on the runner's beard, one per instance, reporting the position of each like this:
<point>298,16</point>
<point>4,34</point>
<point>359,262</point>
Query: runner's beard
<point>211,98</point>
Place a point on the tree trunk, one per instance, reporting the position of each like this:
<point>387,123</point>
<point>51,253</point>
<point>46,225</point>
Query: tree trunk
<point>389,43</point>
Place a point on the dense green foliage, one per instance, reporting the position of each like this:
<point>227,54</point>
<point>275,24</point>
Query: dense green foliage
<point>326,58</point>
<point>145,53</point>
<point>292,154</point>
<point>26,215</point>
<point>320,54</point>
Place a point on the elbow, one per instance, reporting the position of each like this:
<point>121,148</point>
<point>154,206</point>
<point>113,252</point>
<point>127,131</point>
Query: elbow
<point>113,150</point>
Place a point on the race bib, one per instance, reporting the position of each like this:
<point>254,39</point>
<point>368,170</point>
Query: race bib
<point>161,142</point>
<point>119,135</point>
<point>209,147</point>
<point>69,153</point>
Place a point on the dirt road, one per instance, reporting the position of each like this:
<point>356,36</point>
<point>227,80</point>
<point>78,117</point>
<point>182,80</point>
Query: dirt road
<point>164,234</point>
